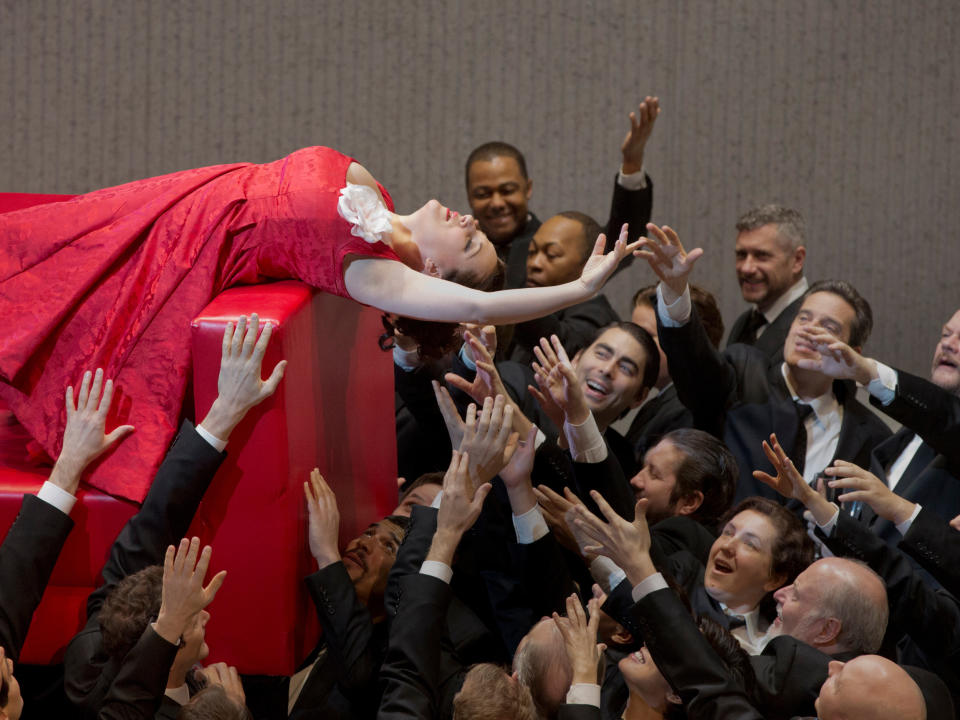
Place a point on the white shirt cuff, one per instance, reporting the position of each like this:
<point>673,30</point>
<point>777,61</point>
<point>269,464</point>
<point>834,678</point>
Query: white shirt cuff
<point>585,441</point>
<point>530,526</point>
<point>676,314</point>
<point>904,527</point>
<point>884,386</point>
<point>436,500</point>
<point>584,694</point>
<point>439,570</point>
<point>214,441</point>
<point>632,181</point>
<point>406,360</point>
<point>647,586</point>
<point>57,496</point>
<point>829,525</point>
<point>607,573</point>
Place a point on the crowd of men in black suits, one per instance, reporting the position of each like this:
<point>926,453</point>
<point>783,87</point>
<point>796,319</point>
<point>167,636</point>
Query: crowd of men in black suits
<point>755,543</point>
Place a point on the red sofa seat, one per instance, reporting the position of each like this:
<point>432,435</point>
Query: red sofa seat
<point>334,410</point>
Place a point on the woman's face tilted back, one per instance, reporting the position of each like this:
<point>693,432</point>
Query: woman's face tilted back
<point>450,242</point>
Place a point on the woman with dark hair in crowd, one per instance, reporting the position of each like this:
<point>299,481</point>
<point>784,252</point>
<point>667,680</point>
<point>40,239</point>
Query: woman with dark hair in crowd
<point>113,278</point>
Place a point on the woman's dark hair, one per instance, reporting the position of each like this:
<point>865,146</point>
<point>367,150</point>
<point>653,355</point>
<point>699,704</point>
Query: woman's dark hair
<point>436,339</point>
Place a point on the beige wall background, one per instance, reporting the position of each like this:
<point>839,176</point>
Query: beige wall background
<point>845,110</point>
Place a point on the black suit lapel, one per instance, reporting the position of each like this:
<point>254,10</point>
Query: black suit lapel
<point>889,450</point>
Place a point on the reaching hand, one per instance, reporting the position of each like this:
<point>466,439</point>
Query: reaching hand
<point>641,125</point>
<point>864,486</point>
<point>599,266</point>
<point>669,260</point>
<point>83,438</point>
<point>240,385</point>
<point>183,594</point>
<point>788,481</point>
<point>323,520</point>
<point>489,439</point>
<point>227,677</point>
<point>835,358</point>
<point>555,374</point>
<point>626,543</point>
<point>461,504</point>
<point>516,474</point>
<point>580,638</point>
<point>556,511</point>
<point>486,335</point>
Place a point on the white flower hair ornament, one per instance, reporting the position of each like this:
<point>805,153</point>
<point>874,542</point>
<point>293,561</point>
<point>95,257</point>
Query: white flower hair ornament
<point>361,206</point>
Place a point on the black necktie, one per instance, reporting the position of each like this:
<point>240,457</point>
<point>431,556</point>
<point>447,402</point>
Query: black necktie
<point>754,323</point>
<point>800,443</point>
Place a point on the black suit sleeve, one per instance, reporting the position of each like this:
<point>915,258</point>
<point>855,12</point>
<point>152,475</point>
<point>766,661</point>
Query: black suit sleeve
<point>411,672</point>
<point>931,617</point>
<point>607,478</point>
<point>936,546</point>
<point>27,557</point>
<point>348,630</point>
<point>930,411</point>
<point>705,380</point>
<point>633,207</point>
<point>137,691</point>
<point>687,661</point>
<point>575,326</point>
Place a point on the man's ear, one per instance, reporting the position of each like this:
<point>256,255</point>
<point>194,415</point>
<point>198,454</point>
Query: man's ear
<point>830,631</point>
<point>529,188</point>
<point>799,255</point>
<point>430,268</point>
<point>689,504</point>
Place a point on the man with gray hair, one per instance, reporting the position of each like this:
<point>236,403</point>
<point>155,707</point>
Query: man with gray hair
<point>770,252</point>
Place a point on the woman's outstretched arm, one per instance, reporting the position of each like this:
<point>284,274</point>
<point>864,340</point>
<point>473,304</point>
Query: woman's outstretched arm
<point>393,287</point>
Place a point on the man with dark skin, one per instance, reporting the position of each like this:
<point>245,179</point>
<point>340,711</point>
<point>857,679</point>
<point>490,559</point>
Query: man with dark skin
<point>499,190</point>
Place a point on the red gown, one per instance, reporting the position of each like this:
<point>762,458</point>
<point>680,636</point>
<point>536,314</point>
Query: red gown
<point>113,278</point>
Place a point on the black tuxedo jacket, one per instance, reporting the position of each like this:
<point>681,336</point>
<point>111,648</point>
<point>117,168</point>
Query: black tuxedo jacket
<point>655,419</point>
<point>936,546</point>
<point>163,520</point>
<point>137,691</point>
<point>931,478</point>
<point>740,396</point>
<point>626,206</point>
<point>27,556</point>
<point>770,342</point>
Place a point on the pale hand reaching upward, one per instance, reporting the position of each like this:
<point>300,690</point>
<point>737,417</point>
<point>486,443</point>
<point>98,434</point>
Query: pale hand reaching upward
<point>666,256</point>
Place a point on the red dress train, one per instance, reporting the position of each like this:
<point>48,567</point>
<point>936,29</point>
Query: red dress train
<point>113,278</point>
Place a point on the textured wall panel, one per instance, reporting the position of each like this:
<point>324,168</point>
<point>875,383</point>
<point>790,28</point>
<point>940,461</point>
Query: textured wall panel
<point>845,110</point>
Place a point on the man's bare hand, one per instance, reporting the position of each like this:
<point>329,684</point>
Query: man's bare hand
<point>555,374</point>
<point>183,594</point>
<point>626,543</point>
<point>790,483</point>
<point>489,439</point>
<point>862,485</point>
<point>84,439</point>
<point>641,126</point>
<point>459,509</point>
<point>240,385</point>
<point>835,358</point>
<point>666,256</point>
<point>323,518</point>
<point>580,638</point>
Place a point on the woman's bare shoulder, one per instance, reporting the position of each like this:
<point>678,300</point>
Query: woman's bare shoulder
<point>359,175</point>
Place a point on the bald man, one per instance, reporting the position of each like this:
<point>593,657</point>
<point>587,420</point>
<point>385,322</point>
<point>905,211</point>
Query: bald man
<point>837,605</point>
<point>870,688</point>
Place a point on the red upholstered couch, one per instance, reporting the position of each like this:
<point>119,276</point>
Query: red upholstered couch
<point>333,410</point>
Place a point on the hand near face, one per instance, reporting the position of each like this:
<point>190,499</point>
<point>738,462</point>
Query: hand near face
<point>227,677</point>
<point>557,379</point>
<point>641,126</point>
<point>489,439</point>
<point>183,593</point>
<point>666,256</point>
<point>626,543</point>
<point>323,520</point>
<point>834,358</point>
<point>580,638</point>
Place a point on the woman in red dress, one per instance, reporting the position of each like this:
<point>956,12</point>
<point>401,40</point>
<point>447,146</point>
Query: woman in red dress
<point>113,278</point>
